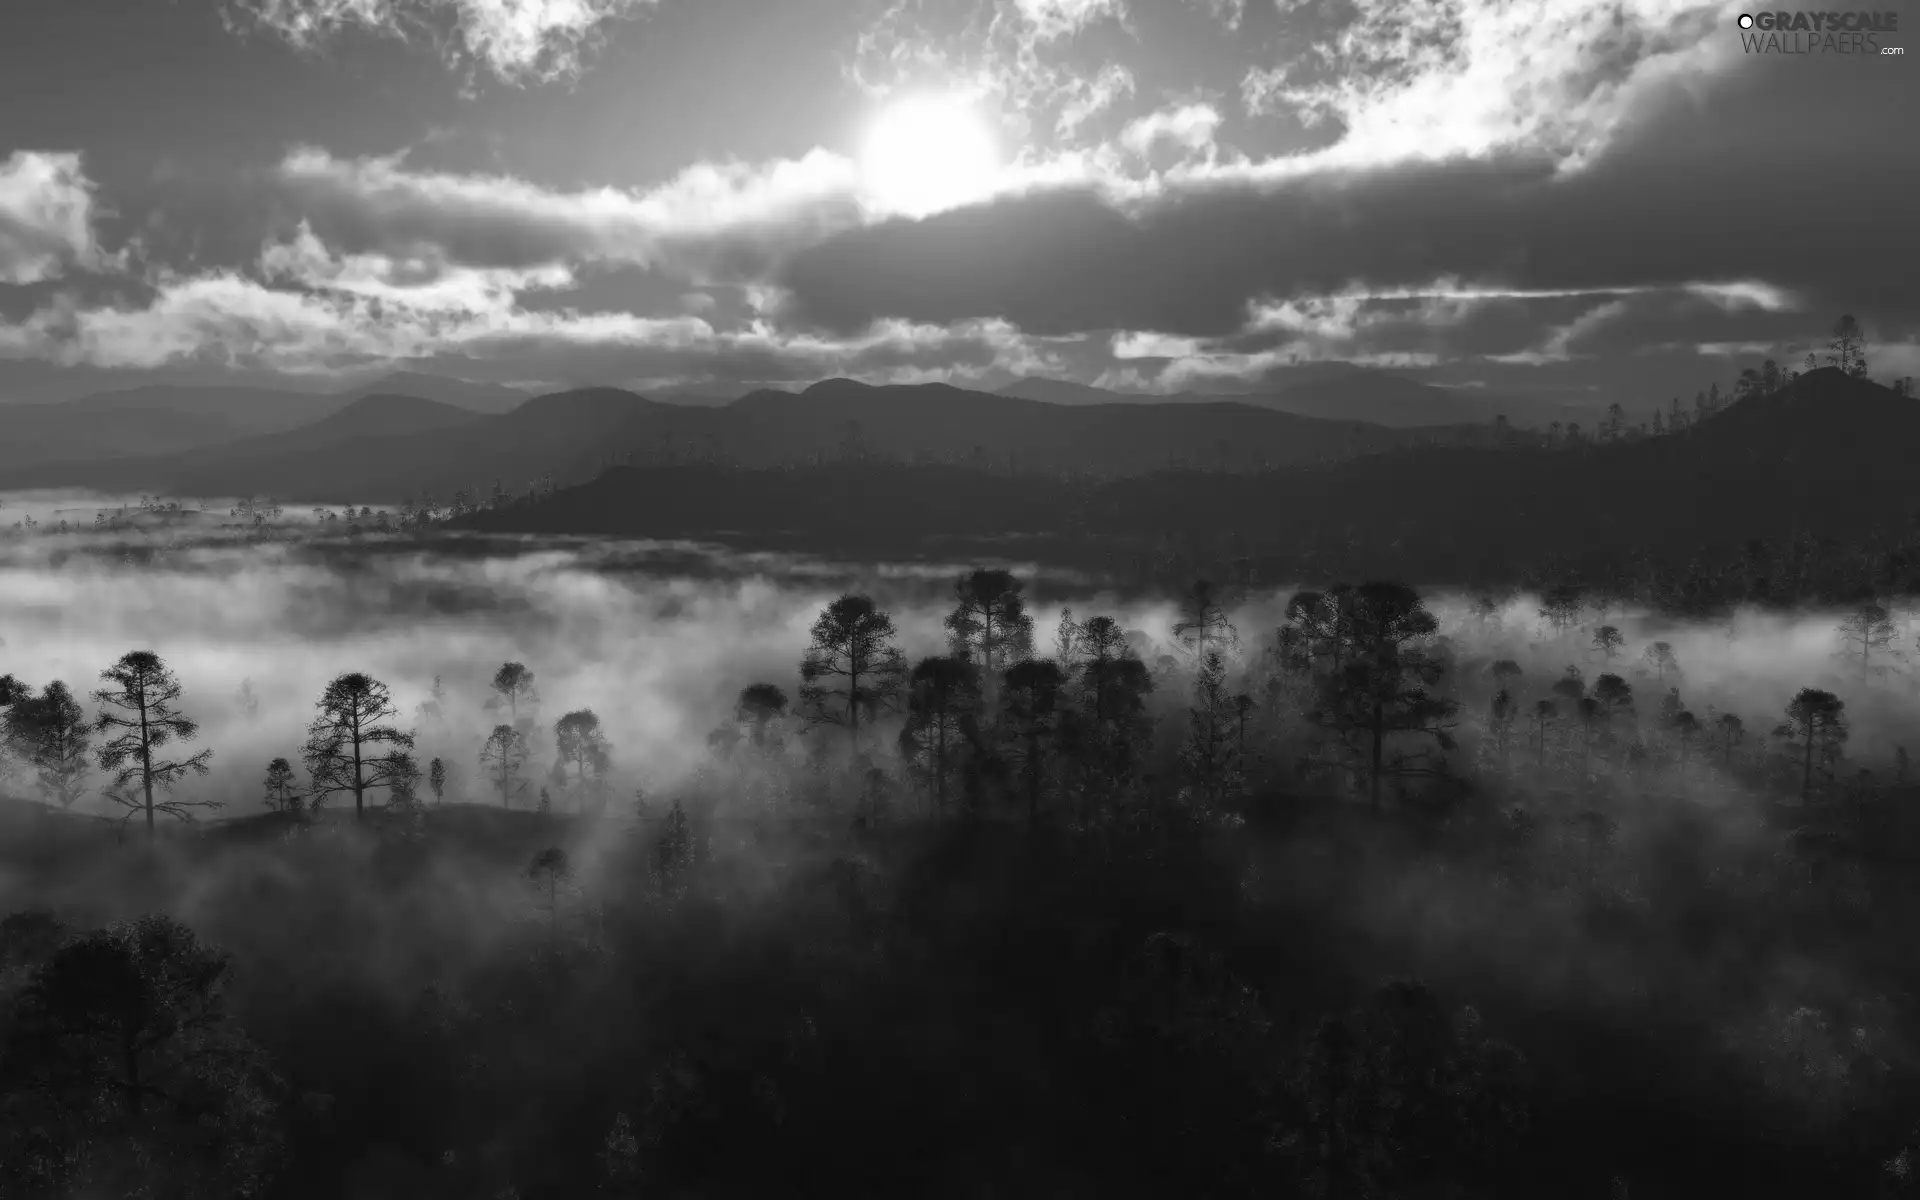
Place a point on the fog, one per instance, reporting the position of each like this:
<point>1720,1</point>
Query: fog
<point>660,656</point>
<point>1695,928</point>
<point>659,638</point>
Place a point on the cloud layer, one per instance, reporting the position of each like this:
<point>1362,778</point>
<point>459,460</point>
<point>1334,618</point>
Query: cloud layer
<point>1197,192</point>
<point>518,41</point>
<point>46,217</point>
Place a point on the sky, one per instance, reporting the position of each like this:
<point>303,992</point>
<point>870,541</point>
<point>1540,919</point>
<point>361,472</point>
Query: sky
<point>1540,197</point>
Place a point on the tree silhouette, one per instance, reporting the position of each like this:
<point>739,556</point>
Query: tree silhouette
<point>1608,640</point>
<point>1660,659</point>
<point>1108,731</point>
<point>502,757</point>
<point>1203,627</point>
<point>989,623</point>
<point>437,780</point>
<point>760,710</point>
<point>1866,630</point>
<point>281,795</point>
<point>943,707</point>
<point>1209,756</point>
<point>548,872</point>
<point>852,671</point>
<point>138,710</point>
<point>1545,714</point>
<point>1032,689</point>
<point>1500,717</point>
<point>1730,731</point>
<point>403,784</point>
<point>673,849</point>
<point>122,1043</point>
<point>49,733</point>
<point>512,686</point>
<point>1381,690</point>
<point>1817,728</point>
<point>1686,730</point>
<point>1614,696</point>
<point>1560,606</point>
<point>1847,347</point>
<point>341,742</point>
<point>580,743</point>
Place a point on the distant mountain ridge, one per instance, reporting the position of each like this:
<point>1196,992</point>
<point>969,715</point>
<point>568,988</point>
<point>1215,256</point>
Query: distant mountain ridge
<point>1329,391</point>
<point>1828,457</point>
<point>572,435</point>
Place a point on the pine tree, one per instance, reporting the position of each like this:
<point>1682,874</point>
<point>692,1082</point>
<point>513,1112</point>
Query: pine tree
<point>1209,757</point>
<point>502,756</point>
<point>281,793</point>
<point>1816,727</point>
<point>347,743</point>
<point>852,671</point>
<point>139,705</point>
<point>49,733</point>
<point>1382,690</point>
<point>942,726</point>
<point>1847,348</point>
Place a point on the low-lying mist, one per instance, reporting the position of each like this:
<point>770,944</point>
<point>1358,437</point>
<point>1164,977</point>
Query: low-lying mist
<point>658,639</point>
<point>1667,917</point>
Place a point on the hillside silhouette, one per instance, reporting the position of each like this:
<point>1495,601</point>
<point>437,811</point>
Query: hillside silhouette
<point>1830,456</point>
<point>1324,391</point>
<point>572,436</point>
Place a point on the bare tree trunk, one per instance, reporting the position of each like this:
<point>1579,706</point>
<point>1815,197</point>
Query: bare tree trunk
<point>146,763</point>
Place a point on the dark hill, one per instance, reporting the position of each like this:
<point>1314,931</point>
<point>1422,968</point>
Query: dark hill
<point>573,435</point>
<point>377,450</point>
<point>564,435</point>
<point>935,421</point>
<point>1830,457</point>
<point>1334,392</point>
<point>475,397</point>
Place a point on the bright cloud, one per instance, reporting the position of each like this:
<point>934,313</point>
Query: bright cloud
<point>46,216</point>
<point>713,220</point>
<point>307,309</point>
<point>519,41</point>
<point>1476,77</point>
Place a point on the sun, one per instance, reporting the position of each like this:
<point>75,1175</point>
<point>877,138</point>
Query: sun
<point>928,153</point>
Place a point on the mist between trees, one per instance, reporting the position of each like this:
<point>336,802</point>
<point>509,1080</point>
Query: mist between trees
<point>600,878</point>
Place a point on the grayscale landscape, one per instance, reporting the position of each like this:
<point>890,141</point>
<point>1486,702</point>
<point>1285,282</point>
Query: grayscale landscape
<point>957,598</point>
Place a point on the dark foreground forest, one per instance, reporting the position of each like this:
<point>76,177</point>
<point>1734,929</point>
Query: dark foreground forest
<point>1352,905</point>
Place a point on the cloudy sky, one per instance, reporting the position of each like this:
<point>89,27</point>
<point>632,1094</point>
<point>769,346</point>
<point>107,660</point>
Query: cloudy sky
<point>1545,196</point>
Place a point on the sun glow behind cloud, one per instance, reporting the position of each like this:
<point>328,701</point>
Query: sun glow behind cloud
<point>927,153</point>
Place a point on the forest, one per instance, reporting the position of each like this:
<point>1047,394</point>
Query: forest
<point>1546,832</point>
<point>1541,898</point>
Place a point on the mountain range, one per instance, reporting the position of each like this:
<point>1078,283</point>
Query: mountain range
<point>1828,457</point>
<point>1332,391</point>
<point>386,448</point>
<point>164,419</point>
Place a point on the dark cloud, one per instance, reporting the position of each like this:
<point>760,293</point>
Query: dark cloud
<point>1799,173</point>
